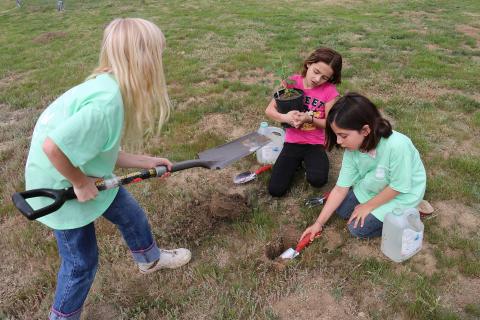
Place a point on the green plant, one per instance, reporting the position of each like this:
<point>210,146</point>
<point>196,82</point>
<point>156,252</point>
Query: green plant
<point>281,71</point>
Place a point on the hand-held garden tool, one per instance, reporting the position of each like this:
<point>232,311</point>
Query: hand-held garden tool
<point>247,176</point>
<point>291,253</point>
<point>216,158</point>
<point>316,201</point>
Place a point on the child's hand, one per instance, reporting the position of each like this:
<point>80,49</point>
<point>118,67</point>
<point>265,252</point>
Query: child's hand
<point>291,117</point>
<point>301,118</point>
<point>151,162</point>
<point>313,230</point>
<point>86,190</point>
<point>359,213</point>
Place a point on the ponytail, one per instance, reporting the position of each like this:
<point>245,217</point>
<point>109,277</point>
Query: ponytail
<point>352,112</point>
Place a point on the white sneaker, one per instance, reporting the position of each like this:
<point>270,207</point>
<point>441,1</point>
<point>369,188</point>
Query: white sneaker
<point>169,259</point>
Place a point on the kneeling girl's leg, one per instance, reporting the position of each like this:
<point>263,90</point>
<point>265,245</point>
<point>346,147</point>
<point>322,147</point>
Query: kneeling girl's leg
<point>316,165</point>
<point>284,170</point>
<point>346,208</point>
<point>79,260</point>
<point>372,227</point>
<point>132,222</point>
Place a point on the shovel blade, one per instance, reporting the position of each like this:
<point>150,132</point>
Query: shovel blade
<point>290,253</point>
<point>223,155</point>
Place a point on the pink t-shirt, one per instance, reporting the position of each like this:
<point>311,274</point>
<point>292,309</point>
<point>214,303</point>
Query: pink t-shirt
<point>315,100</point>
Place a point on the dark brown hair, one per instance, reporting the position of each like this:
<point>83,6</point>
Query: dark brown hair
<point>352,112</point>
<point>328,56</point>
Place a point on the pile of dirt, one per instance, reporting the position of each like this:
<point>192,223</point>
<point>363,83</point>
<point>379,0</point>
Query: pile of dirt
<point>195,220</point>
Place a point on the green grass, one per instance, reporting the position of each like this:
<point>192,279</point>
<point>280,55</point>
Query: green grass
<point>417,60</point>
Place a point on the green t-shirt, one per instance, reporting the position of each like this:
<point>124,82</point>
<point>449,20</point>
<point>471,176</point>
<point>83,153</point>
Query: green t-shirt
<point>86,123</point>
<point>395,163</point>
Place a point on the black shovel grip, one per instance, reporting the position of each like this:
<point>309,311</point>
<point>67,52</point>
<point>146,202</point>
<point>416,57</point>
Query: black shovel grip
<point>59,197</point>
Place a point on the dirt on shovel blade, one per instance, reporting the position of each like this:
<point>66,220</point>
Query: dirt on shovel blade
<point>199,217</point>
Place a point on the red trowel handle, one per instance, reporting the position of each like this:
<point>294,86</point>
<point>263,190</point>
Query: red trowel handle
<point>263,169</point>
<point>305,242</point>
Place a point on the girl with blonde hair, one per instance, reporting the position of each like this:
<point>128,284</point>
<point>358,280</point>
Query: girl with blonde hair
<point>77,140</point>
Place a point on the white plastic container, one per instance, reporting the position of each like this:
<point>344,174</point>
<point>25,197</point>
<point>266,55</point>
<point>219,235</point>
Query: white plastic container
<point>269,153</point>
<point>402,234</point>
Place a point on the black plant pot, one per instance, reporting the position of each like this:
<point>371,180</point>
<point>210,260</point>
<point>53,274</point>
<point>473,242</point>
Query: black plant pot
<point>286,104</point>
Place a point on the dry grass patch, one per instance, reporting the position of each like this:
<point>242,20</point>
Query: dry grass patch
<point>421,89</point>
<point>313,300</point>
<point>361,50</point>
<point>453,214</point>
<point>222,123</point>
<point>424,261</point>
<point>470,31</point>
<point>460,293</point>
<point>47,37</point>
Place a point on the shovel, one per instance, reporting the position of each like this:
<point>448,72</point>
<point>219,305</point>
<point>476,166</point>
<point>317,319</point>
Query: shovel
<point>291,253</point>
<point>247,176</point>
<point>216,158</point>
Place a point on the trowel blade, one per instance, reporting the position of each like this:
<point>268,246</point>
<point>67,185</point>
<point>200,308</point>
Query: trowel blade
<point>244,177</point>
<point>290,253</point>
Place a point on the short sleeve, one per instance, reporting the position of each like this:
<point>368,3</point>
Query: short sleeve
<point>401,167</point>
<point>349,173</point>
<point>83,135</point>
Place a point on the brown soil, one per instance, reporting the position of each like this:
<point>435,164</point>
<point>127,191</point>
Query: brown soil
<point>199,217</point>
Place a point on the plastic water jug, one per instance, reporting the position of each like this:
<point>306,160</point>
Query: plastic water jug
<point>269,153</point>
<point>402,234</point>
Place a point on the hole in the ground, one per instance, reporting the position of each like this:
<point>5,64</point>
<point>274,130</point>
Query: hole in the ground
<point>275,248</point>
<point>287,238</point>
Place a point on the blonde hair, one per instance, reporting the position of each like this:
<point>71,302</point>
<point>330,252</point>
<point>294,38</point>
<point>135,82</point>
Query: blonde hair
<point>132,51</point>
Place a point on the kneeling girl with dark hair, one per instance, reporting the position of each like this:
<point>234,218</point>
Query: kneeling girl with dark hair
<point>381,168</point>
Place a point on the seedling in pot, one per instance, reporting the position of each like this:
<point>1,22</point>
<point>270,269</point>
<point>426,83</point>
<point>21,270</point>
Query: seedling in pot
<point>287,99</point>
<point>284,92</point>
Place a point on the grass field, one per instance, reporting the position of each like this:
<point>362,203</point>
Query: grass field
<point>419,61</point>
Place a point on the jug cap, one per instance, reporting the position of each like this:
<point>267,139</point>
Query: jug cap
<point>263,124</point>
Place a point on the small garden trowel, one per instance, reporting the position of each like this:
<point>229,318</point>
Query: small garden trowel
<point>291,253</point>
<point>247,176</point>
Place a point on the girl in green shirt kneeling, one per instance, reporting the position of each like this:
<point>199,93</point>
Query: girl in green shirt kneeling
<point>381,168</point>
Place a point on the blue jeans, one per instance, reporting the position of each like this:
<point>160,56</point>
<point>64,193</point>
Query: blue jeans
<point>79,253</point>
<point>372,227</point>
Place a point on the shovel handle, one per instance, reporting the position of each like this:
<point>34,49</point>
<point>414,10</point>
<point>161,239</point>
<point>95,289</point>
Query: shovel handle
<point>305,242</point>
<point>263,169</point>
<point>59,196</point>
